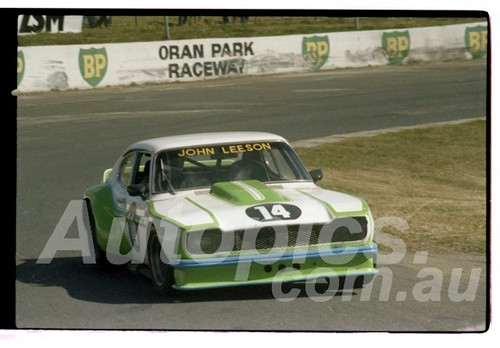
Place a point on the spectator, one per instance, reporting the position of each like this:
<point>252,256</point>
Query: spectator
<point>106,20</point>
<point>243,19</point>
<point>95,21</point>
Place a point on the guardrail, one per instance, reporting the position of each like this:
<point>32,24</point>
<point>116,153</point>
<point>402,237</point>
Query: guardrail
<point>45,68</point>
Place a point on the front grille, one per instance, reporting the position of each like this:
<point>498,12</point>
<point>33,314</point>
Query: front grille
<point>341,230</point>
<point>275,237</point>
<point>344,229</point>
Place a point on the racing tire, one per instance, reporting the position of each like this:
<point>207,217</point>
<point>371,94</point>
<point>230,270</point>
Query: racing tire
<point>345,284</point>
<point>101,261</point>
<point>162,274</point>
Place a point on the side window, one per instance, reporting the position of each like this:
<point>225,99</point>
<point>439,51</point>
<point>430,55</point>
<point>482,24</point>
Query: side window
<point>143,170</point>
<point>126,169</point>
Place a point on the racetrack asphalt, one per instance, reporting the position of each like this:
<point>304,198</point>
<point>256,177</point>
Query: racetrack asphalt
<point>66,139</point>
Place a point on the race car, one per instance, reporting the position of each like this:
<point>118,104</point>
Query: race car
<point>227,209</point>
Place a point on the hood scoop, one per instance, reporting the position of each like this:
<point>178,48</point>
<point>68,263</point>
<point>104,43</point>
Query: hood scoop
<point>248,192</point>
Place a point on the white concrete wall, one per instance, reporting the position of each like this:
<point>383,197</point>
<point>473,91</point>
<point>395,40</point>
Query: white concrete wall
<point>47,68</point>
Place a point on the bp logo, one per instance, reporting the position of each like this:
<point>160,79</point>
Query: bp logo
<point>20,66</point>
<point>476,41</point>
<point>93,65</point>
<point>397,45</point>
<point>315,51</point>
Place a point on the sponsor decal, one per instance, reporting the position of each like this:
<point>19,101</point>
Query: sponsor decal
<point>93,64</point>
<point>476,41</point>
<point>397,45</point>
<point>315,51</point>
<point>226,59</point>
<point>20,66</point>
<point>226,149</point>
<point>27,24</point>
<point>270,212</point>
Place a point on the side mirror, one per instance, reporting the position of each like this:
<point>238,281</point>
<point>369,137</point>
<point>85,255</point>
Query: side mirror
<point>106,174</point>
<point>137,190</point>
<point>316,174</point>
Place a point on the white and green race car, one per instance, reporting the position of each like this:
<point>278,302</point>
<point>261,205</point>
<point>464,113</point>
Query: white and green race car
<point>227,209</point>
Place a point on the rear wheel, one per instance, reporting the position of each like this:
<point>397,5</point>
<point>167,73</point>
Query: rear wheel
<point>162,274</point>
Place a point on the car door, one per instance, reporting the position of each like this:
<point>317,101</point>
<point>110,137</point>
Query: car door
<point>123,180</point>
<point>134,170</point>
<point>137,204</point>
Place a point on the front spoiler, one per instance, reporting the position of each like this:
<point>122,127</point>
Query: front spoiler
<point>276,267</point>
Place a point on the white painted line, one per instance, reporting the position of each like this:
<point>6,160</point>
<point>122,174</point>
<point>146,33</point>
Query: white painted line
<point>104,116</point>
<point>218,85</point>
<point>473,328</point>
<point>323,90</point>
<point>339,137</point>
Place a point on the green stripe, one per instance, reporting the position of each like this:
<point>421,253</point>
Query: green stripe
<point>364,210</point>
<point>213,224</point>
<point>246,192</point>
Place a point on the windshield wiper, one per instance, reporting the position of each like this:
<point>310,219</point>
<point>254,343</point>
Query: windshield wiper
<point>165,177</point>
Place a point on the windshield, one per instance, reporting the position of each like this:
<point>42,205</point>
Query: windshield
<point>196,167</point>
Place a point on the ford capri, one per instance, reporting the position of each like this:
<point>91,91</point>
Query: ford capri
<point>227,209</point>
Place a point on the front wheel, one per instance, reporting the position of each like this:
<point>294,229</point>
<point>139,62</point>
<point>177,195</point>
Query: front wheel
<point>350,284</point>
<point>162,274</point>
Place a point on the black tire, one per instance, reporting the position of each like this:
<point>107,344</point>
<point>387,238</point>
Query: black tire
<point>101,261</point>
<point>359,282</point>
<point>345,284</point>
<point>162,274</point>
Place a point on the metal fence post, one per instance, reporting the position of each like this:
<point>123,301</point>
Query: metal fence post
<point>167,29</point>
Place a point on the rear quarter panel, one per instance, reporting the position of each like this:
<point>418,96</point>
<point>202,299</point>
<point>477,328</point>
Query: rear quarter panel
<point>103,208</point>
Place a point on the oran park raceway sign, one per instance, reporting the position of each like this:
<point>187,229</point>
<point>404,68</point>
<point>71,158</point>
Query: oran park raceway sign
<point>206,60</point>
<point>46,68</point>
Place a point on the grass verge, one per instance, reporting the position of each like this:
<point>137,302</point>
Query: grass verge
<point>434,178</point>
<point>152,28</point>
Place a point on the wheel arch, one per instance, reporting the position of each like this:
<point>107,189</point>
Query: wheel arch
<point>100,204</point>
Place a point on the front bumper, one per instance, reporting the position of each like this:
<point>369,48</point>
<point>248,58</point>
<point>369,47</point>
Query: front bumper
<point>275,267</point>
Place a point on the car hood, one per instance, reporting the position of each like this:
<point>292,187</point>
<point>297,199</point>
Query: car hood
<point>251,204</point>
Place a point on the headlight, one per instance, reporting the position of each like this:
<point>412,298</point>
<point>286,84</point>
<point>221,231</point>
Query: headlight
<point>209,241</point>
<point>346,229</point>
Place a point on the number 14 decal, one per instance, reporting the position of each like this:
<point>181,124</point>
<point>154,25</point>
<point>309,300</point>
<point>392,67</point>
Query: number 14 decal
<point>276,210</point>
<point>268,212</point>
